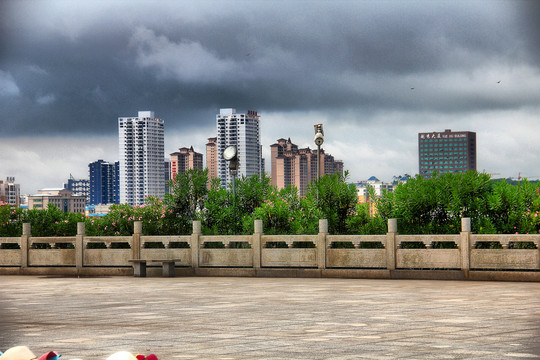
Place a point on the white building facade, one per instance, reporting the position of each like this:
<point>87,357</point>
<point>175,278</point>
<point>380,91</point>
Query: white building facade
<point>10,192</point>
<point>377,185</point>
<point>243,131</point>
<point>141,154</point>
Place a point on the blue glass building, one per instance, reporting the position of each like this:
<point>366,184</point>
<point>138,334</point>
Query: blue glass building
<point>104,182</point>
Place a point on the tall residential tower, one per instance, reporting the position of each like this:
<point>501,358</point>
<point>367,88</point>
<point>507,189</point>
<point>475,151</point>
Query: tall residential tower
<point>141,154</point>
<point>241,130</point>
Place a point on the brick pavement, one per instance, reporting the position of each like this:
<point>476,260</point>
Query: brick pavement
<point>270,318</point>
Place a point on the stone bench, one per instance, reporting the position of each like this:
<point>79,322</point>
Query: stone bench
<point>167,266</point>
<point>139,267</point>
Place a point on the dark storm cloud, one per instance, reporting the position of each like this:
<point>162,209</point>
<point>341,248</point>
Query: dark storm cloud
<point>529,20</point>
<point>75,69</point>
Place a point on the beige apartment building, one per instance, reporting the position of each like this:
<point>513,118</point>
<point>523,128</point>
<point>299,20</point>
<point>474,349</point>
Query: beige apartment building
<point>185,159</point>
<point>211,159</point>
<point>61,198</point>
<point>298,167</point>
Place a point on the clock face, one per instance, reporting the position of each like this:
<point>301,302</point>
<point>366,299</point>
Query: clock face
<point>229,152</point>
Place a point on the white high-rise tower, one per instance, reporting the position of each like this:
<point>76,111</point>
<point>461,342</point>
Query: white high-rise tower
<point>141,154</point>
<point>241,130</point>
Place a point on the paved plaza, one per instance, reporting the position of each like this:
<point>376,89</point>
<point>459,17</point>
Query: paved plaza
<point>270,318</point>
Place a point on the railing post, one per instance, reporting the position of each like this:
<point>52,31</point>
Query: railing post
<point>465,245</point>
<point>257,235</point>
<point>79,246</point>
<point>391,244</point>
<point>195,238</point>
<point>25,244</point>
<point>136,239</point>
<point>321,243</point>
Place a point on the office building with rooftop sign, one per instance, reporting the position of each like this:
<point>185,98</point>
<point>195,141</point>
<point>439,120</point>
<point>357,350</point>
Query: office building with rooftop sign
<point>446,152</point>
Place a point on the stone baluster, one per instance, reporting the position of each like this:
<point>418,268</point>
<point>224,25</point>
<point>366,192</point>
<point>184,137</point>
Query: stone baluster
<point>321,243</point>
<point>391,244</point>
<point>195,244</point>
<point>25,244</point>
<point>79,246</point>
<point>465,245</point>
<point>256,244</point>
<point>136,239</point>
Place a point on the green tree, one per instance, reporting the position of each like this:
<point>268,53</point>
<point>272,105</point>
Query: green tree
<point>276,212</point>
<point>10,220</point>
<point>436,205</point>
<point>335,199</point>
<point>251,192</point>
<point>509,206</point>
<point>187,197</point>
<point>52,221</point>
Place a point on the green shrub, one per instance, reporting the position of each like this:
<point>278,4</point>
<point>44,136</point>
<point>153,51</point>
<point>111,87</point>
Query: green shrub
<point>154,245</point>
<point>9,246</point>
<point>522,245</point>
<point>41,246</point>
<point>178,245</point>
<point>239,245</point>
<point>213,245</point>
<point>303,244</point>
<point>371,245</point>
<point>341,245</point>
<point>412,245</point>
<point>96,245</point>
<point>488,245</point>
<point>276,245</point>
<point>444,245</point>
<point>120,245</point>
<point>64,245</point>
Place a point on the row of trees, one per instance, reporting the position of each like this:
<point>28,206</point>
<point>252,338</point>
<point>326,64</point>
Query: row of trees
<point>436,206</point>
<point>421,206</point>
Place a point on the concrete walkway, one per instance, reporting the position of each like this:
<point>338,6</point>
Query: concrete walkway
<point>270,318</point>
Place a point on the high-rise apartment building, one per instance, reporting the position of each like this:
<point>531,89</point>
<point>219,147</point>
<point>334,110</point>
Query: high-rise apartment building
<point>141,153</point>
<point>241,130</point>
<point>211,159</point>
<point>104,182</point>
<point>298,167</point>
<point>10,192</point>
<point>79,187</point>
<point>446,152</point>
<point>185,159</point>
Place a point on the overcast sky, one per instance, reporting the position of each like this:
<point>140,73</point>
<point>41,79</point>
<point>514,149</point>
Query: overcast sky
<point>375,73</point>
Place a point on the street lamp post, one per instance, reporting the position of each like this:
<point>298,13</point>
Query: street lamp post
<point>230,154</point>
<point>319,139</point>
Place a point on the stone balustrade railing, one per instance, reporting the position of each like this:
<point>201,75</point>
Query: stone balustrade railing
<point>379,256</point>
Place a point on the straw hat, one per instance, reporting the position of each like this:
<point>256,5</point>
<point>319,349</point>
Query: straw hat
<point>18,353</point>
<point>122,355</point>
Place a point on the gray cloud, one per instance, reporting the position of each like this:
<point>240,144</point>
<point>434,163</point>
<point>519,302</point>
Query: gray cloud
<point>72,69</point>
<point>8,87</point>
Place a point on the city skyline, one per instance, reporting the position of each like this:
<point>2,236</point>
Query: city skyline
<point>374,73</point>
